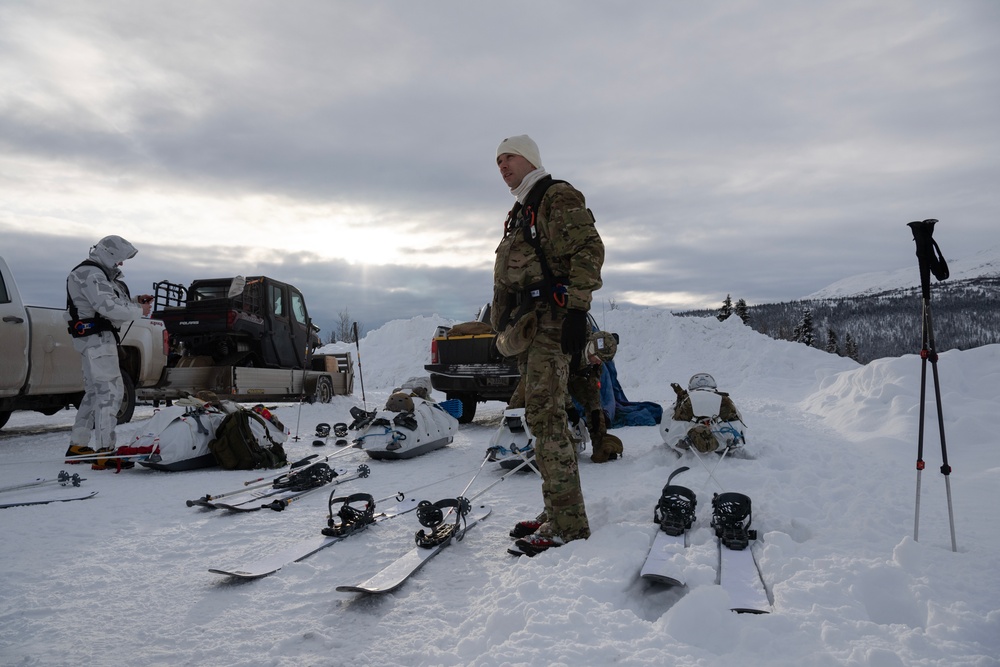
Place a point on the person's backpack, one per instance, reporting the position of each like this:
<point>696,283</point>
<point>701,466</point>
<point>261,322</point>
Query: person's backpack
<point>236,446</point>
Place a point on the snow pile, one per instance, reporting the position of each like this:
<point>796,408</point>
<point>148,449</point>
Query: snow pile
<point>122,578</point>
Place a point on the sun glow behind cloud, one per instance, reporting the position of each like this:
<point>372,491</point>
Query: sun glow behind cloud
<point>79,203</point>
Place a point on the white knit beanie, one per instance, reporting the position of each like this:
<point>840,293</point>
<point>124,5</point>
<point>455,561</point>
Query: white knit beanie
<point>524,146</point>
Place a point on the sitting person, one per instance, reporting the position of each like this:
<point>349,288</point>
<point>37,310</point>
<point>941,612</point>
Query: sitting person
<point>703,418</point>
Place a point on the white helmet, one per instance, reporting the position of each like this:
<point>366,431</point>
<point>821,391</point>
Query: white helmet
<point>701,381</point>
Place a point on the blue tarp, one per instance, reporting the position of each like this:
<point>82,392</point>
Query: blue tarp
<point>620,410</point>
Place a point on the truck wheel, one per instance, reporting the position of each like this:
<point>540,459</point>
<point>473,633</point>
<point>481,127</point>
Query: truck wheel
<point>4,416</point>
<point>127,408</point>
<point>469,404</point>
<point>324,390</point>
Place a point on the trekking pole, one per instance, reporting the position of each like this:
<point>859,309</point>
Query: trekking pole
<point>361,374</point>
<point>400,496</point>
<point>63,479</point>
<point>502,477</point>
<point>302,398</point>
<point>711,476</point>
<point>930,260</point>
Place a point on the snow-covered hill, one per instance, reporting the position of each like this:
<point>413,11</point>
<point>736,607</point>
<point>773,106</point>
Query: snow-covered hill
<point>122,579</point>
<point>984,263</point>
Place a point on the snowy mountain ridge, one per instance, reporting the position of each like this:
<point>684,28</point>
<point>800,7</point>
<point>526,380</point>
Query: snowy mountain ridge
<point>985,263</point>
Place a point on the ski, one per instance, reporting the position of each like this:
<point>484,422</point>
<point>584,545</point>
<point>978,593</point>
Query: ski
<point>674,513</point>
<point>304,549</point>
<point>396,573</point>
<point>320,477</point>
<point>46,501</point>
<point>738,570</point>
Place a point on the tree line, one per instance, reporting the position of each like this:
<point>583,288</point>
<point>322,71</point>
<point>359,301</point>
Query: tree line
<point>964,314</point>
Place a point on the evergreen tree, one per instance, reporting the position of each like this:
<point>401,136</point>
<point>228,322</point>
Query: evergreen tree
<point>851,347</point>
<point>803,332</point>
<point>742,311</point>
<point>832,344</point>
<point>726,310</point>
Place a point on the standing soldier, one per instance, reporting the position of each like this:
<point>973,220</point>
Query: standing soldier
<point>98,303</point>
<point>547,265</point>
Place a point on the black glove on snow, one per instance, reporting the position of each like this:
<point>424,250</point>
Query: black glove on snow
<point>574,331</point>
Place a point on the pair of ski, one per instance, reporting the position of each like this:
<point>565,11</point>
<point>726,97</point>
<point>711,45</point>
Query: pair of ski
<point>62,479</point>
<point>387,580</point>
<point>438,535</point>
<point>738,572</point>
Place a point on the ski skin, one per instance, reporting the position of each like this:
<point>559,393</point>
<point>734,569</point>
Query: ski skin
<point>399,571</point>
<point>26,503</point>
<point>304,549</point>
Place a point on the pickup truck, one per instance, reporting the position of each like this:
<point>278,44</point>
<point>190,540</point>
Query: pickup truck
<point>246,338</point>
<point>40,370</point>
<point>465,364</point>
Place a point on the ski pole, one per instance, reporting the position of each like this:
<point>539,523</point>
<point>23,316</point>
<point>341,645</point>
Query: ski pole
<point>400,496</point>
<point>63,478</point>
<point>361,374</point>
<point>280,504</point>
<point>500,479</point>
<point>711,476</point>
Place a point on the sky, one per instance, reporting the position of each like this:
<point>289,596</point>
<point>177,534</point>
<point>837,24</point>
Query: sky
<point>349,148</point>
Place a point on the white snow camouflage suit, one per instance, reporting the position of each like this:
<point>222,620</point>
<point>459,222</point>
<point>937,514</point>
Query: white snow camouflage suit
<point>101,292</point>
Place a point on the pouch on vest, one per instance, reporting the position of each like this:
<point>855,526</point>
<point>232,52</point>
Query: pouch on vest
<point>517,336</point>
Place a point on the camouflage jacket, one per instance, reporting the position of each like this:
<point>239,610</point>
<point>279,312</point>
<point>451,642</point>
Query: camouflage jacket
<point>570,242</point>
<point>93,292</point>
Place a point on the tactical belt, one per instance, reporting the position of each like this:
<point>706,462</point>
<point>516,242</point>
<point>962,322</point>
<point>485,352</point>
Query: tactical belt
<point>88,326</point>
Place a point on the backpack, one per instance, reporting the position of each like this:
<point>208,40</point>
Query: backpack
<point>236,446</point>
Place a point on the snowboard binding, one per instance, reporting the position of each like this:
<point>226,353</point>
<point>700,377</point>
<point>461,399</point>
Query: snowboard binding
<point>361,418</point>
<point>430,516</point>
<point>351,517</point>
<point>311,477</point>
<point>731,517</point>
<point>675,510</point>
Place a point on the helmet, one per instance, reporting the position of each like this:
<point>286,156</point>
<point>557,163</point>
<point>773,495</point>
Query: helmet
<point>701,381</point>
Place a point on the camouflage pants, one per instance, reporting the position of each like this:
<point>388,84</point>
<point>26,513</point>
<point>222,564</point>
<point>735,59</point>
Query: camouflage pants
<point>544,375</point>
<point>103,390</point>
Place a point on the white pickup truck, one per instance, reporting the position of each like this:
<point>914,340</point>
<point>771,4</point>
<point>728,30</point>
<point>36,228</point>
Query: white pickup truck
<point>40,370</point>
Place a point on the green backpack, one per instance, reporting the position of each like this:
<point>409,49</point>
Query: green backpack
<point>236,447</point>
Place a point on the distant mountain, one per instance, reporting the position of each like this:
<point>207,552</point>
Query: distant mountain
<point>984,264</point>
<point>879,314</point>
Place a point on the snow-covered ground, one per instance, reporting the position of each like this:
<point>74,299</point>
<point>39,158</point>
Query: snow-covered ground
<point>122,579</point>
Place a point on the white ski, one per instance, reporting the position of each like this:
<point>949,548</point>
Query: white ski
<point>302,550</point>
<point>666,560</point>
<point>739,575</point>
<point>397,572</point>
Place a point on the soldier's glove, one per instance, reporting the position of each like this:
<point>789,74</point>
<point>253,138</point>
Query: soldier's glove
<point>574,332</point>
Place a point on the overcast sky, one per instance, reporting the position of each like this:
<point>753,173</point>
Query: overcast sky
<point>758,149</point>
